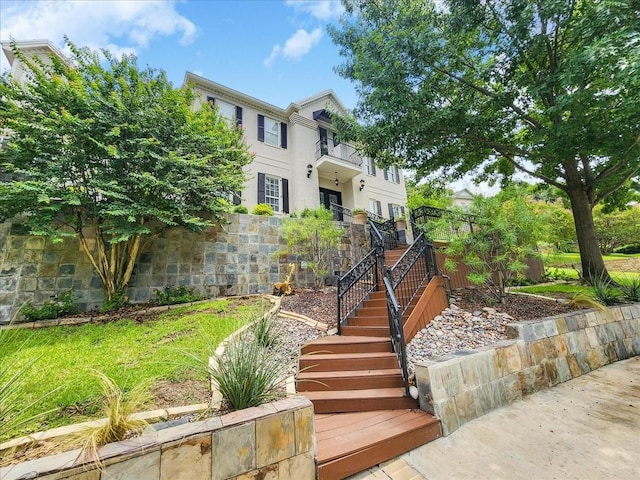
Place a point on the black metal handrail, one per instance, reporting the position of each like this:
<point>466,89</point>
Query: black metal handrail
<point>341,214</point>
<point>386,230</point>
<point>355,286</point>
<point>397,332</point>
<point>442,224</point>
<point>408,275</point>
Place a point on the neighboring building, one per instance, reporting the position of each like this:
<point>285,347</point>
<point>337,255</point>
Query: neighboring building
<point>299,160</point>
<point>463,199</point>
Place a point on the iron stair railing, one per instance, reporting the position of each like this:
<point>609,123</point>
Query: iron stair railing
<point>442,224</point>
<point>396,328</point>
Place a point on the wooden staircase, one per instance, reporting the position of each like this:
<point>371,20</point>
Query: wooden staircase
<point>363,417</point>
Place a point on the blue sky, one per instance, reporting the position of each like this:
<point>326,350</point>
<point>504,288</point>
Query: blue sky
<point>276,50</point>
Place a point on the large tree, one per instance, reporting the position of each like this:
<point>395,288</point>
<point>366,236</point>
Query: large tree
<point>546,87</point>
<point>112,154</point>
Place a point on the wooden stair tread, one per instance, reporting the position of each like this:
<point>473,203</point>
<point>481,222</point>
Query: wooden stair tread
<point>350,373</point>
<point>338,442</point>
<point>370,393</point>
<point>346,356</point>
<point>343,339</point>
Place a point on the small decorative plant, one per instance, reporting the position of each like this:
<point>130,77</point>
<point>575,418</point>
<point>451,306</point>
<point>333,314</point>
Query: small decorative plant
<point>64,305</point>
<point>240,209</point>
<point>171,295</point>
<point>262,209</point>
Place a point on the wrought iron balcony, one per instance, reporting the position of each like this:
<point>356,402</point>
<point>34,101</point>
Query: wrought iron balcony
<point>341,159</point>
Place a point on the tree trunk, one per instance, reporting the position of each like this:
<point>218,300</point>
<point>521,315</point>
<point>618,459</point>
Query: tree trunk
<point>590,255</point>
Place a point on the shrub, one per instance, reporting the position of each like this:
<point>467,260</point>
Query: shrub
<point>65,305</point>
<point>118,301</point>
<point>240,209</point>
<point>247,374</point>
<point>262,209</point>
<point>265,330</point>
<point>171,295</point>
<point>629,249</point>
<point>630,288</point>
<point>603,291</point>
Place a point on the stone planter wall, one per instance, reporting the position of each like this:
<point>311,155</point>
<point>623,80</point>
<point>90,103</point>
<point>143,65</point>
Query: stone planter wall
<point>275,441</point>
<point>467,384</point>
<point>237,259</point>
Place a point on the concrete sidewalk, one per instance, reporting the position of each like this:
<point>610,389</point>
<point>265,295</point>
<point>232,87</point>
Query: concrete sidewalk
<point>584,429</point>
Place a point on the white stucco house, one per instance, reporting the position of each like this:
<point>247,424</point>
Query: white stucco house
<point>299,161</point>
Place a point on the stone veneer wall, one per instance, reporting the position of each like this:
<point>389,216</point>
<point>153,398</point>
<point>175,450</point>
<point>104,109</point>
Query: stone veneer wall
<point>237,259</point>
<point>465,385</point>
<point>275,441</point>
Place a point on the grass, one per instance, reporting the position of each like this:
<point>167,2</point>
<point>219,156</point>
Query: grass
<point>562,290</point>
<point>563,259</point>
<point>129,352</point>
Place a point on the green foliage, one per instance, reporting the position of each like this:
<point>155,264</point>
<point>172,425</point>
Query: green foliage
<point>116,301</point>
<point>617,228</point>
<point>148,354</point>
<point>506,234</point>
<point>604,290</point>
<point>555,274</point>
<point>17,408</point>
<point>262,209</point>
<point>65,305</point>
<point>266,330</point>
<point>240,209</point>
<point>171,295</point>
<point>432,192</point>
<point>112,154</point>
<point>495,87</point>
<point>630,288</point>
<point>248,374</point>
<point>314,238</point>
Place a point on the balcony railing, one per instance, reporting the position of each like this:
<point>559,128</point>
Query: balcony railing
<point>342,151</point>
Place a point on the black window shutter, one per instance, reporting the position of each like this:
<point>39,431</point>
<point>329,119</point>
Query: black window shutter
<point>373,167</point>
<point>261,131</point>
<point>237,199</point>
<point>336,140</point>
<point>386,174</point>
<point>285,195</point>
<point>238,116</point>
<point>397,174</point>
<point>211,100</point>
<point>261,197</point>
<point>390,210</point>
<point>402,211</point>
<point>283,135</point>
<point>379,207</point>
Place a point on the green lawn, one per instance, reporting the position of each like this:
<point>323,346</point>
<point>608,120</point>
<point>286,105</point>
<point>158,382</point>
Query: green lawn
<point>558,259</point>
<point>130,352</point>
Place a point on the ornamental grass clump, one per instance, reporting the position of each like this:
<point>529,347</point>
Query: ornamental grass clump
<point>630,288</point>
<point>265,330</point>
<point>604,291</point>
<point>248,374</point>
<point>117,406</point>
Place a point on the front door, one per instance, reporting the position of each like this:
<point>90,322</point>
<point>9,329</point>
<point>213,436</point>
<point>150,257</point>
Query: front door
<point>327,197</point>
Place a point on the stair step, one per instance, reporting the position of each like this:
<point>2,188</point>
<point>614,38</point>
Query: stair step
<point>378,295</point>
<point>349,443</point>
<point>347,344</point>
<point>349,380</point>
<point>366,311</point>
<point>368,321</point>
<point>377,302</point>
<point>346,361</point>
<point>337,401</point>
<point>367,331</point>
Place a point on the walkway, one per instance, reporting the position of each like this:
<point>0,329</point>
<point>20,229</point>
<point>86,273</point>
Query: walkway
<point>584,429</point>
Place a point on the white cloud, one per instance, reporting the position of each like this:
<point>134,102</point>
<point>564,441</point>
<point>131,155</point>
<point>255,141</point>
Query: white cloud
<point>322,10</point>
<point>120,26</point>
<point>297,46</point>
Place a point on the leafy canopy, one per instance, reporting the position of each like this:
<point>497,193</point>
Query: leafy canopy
<point>495,86</point>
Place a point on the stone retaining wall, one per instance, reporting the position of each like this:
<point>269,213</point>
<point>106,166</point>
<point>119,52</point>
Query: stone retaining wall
<point>237,259</point>
<point>275,441</point>
<point>465,385</point>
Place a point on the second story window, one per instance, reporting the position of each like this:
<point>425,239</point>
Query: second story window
<point>271,131</point>
<point>369,167</point>
<point>227,110</point>
<point>392,174</point>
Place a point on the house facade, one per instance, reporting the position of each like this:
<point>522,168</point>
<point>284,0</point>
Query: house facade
<point>299,160</point>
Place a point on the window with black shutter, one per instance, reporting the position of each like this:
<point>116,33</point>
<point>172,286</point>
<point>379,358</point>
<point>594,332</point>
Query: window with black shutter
<point>285,195</point>
<point>211,101</point>
<point>261,130</point>
<point>238,116</point>
<point>283,135</point>
<point>261,182</point>
<point>379,207</point>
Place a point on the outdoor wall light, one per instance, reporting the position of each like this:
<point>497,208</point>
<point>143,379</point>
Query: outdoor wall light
<point>337,182</point>
<point>309,170</point>
<point>361,184</point>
